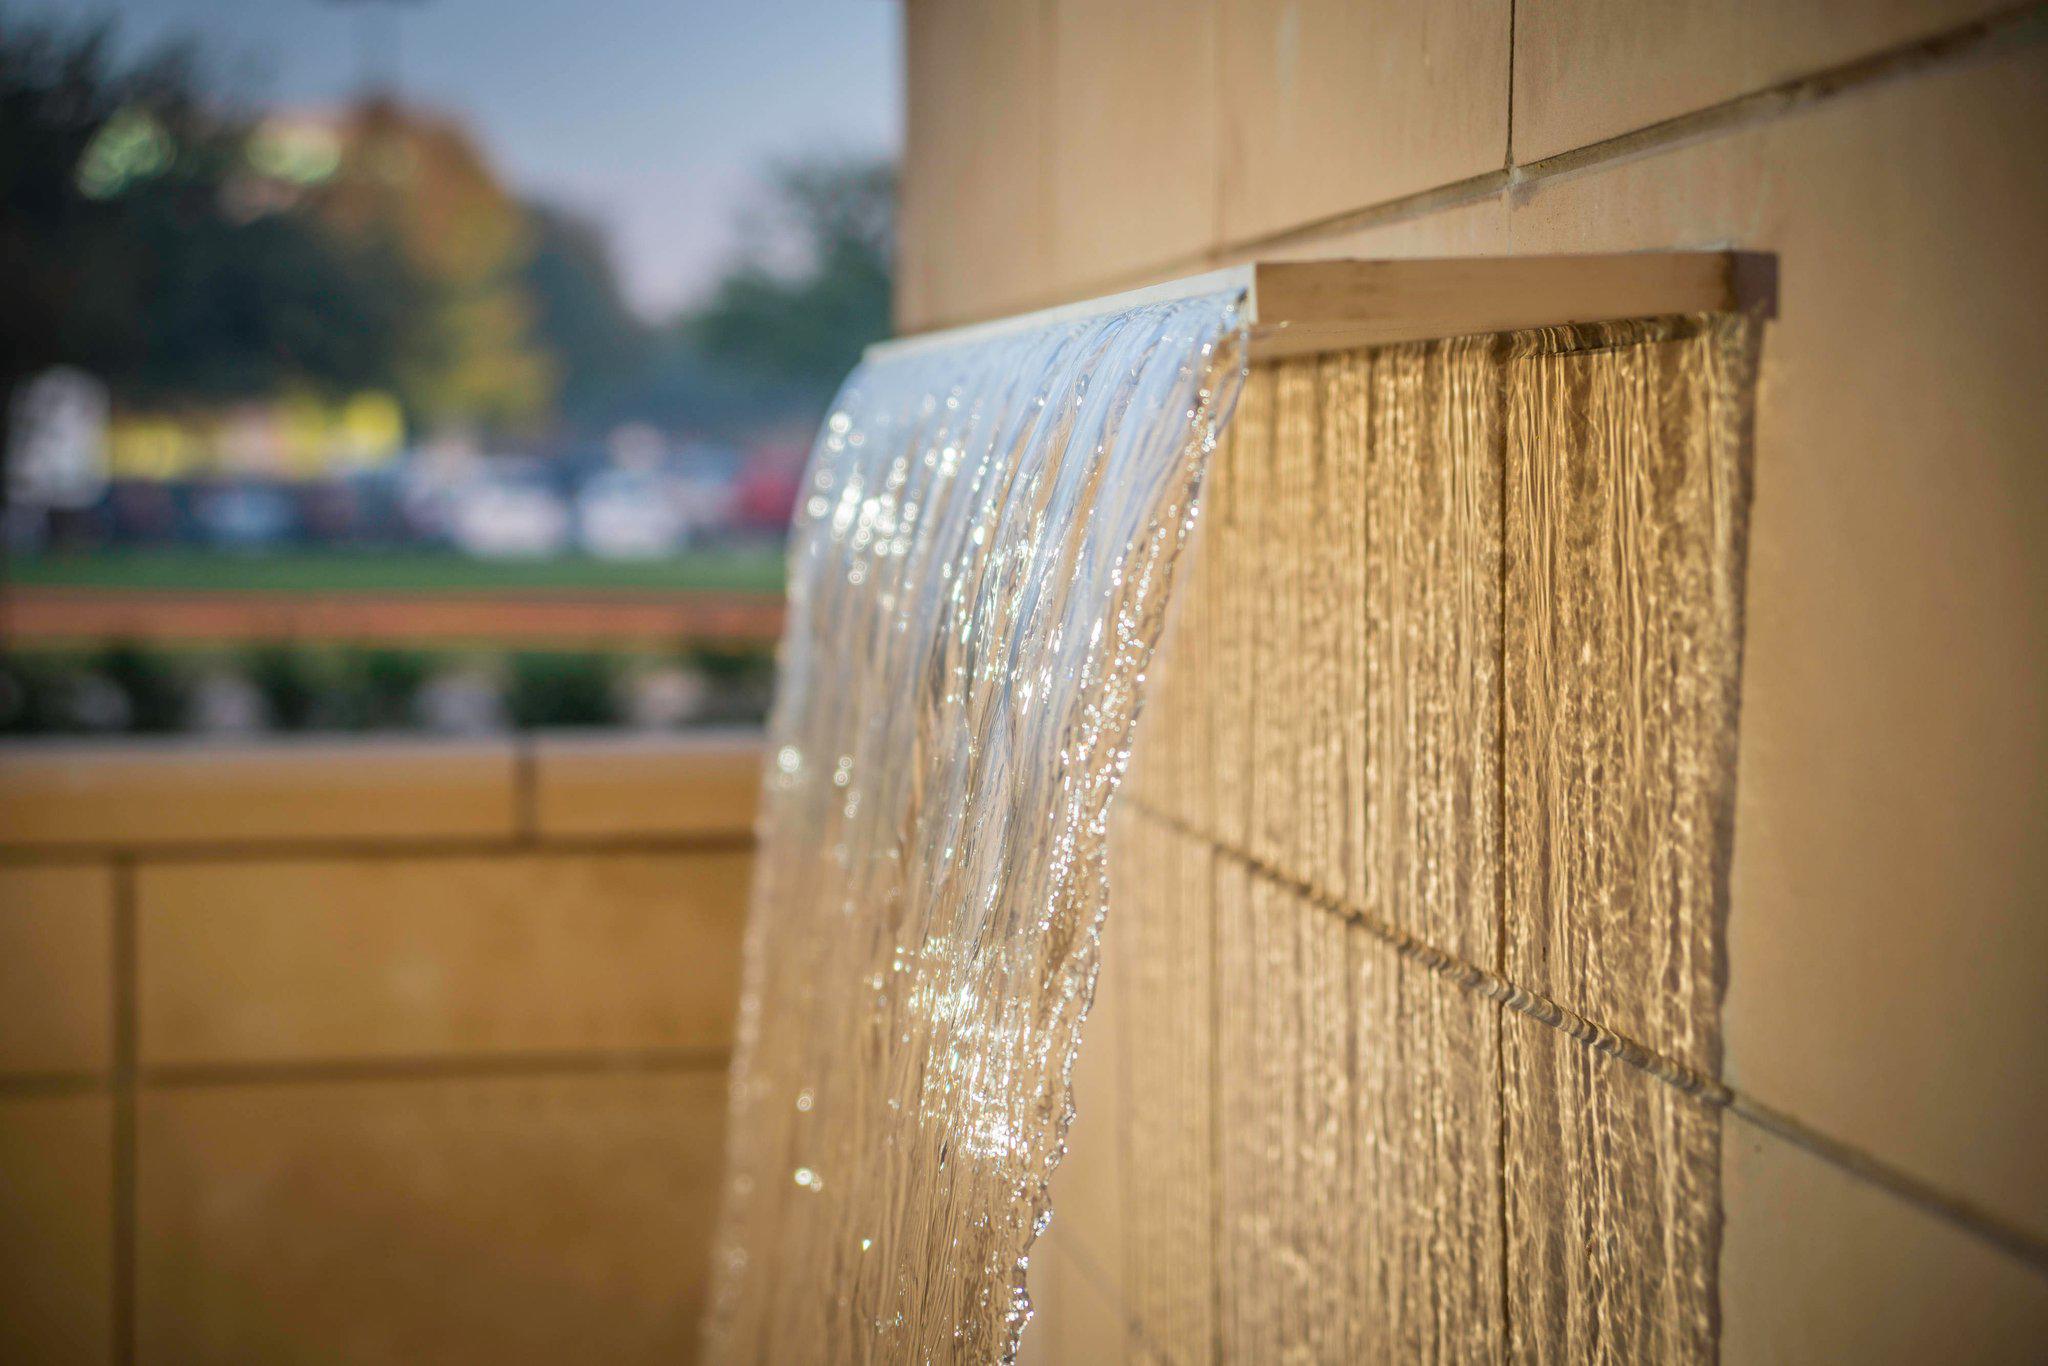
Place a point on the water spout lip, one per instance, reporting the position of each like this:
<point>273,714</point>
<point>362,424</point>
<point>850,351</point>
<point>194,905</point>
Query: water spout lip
<point>1239,278</point>
<point>1302,307</point>
<point>1753,277</point>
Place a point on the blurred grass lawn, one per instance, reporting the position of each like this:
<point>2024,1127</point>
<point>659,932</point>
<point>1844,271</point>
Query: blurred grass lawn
<point>720,571</point>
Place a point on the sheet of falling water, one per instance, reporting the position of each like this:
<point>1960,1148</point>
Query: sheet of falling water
<point>978,573</point>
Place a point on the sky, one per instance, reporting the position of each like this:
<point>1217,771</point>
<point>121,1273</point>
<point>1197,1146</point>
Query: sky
<point>656,117</point>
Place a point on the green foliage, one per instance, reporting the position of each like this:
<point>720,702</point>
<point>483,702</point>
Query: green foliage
<point>682,388</point>
<point>350,688</point>
<point>578,311</point>
<point>290,683</point>
<point>808,324</point>
<point>191,253</point>
<point>733,664</point>
<point>119,687</point>
<point>32,695</point>
<point>153,686</point>
<point>304,687</point>
<point>233,309</point>
<point>547,688</point>
<point>742,679</point>
<point>142,245</point>
<point>385,683</point>
<point>58,90</point>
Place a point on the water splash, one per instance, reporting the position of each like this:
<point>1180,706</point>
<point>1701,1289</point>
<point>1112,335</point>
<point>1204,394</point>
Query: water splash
<point>979,572</point>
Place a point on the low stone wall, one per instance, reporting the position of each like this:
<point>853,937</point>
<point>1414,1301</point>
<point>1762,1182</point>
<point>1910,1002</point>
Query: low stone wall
<point>365,1050</point>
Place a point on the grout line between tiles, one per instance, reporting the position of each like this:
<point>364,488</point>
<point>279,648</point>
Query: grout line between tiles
<point>589,1062</point>
<point>372,849</point>
<point>2024,1245</point>
<point>41,1085</point>
<point>1096,1278</point>
<point>2009,30</point>
<point>125,1152</point>
<point>1508,157</point>
<point>2019,1242</point>
<point>1216,1243</point>
<point>525,793</point>
<point>1500,885</point>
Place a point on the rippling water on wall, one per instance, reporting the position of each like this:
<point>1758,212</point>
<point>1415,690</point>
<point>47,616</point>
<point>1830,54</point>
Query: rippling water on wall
<point>979,572</point>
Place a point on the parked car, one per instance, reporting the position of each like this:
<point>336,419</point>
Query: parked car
<point>246,515</point>
<point>507,516</point>
<point>631,515</point>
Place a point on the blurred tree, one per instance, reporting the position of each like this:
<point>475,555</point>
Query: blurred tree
<point>683,389</point>
<point>231,306</point>
<point>814,289</point>
<point>579,312</point>
<point>469,356</point>
<point>144,244</point>
<point>189,253</point>
<point>58,90</point>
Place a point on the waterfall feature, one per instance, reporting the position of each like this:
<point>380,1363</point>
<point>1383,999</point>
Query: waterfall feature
<point>979,572</point>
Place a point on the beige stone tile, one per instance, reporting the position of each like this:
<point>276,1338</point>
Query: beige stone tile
<point>1358,1123</point>
<point>1626,498</point>
<point>1279,511</point>
<point>149,795</point>
<point>367,958</point>
<point>1035,1346</point>
<point>1134,128</point>
<point>1085,1327</point>
<point>56,968</point>
<point>633,786</point>
<point>1427,769</point>
<point>1074,1320</point>
<point>1423,1255</point>
<point>1611,1185</point>
<point>56,1229</point>
<point>1254,1201</point>
<point>1162,900</point>
<point>1224,677</point>
<point>1334,105</point>
<point>1476,227</point>
<point>1817,1265</point>
<point>1336,693</point>
<point>1592,69</point>
<point>974,225</point>
<point>1087,1190</point>
<point>1170,770</point>
<point>1885,929</point>
<point>536,1219</point>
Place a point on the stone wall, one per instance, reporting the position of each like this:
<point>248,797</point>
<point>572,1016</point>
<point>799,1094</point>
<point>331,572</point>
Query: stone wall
<point>365,1051</point>
<point>1870,1056</point>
